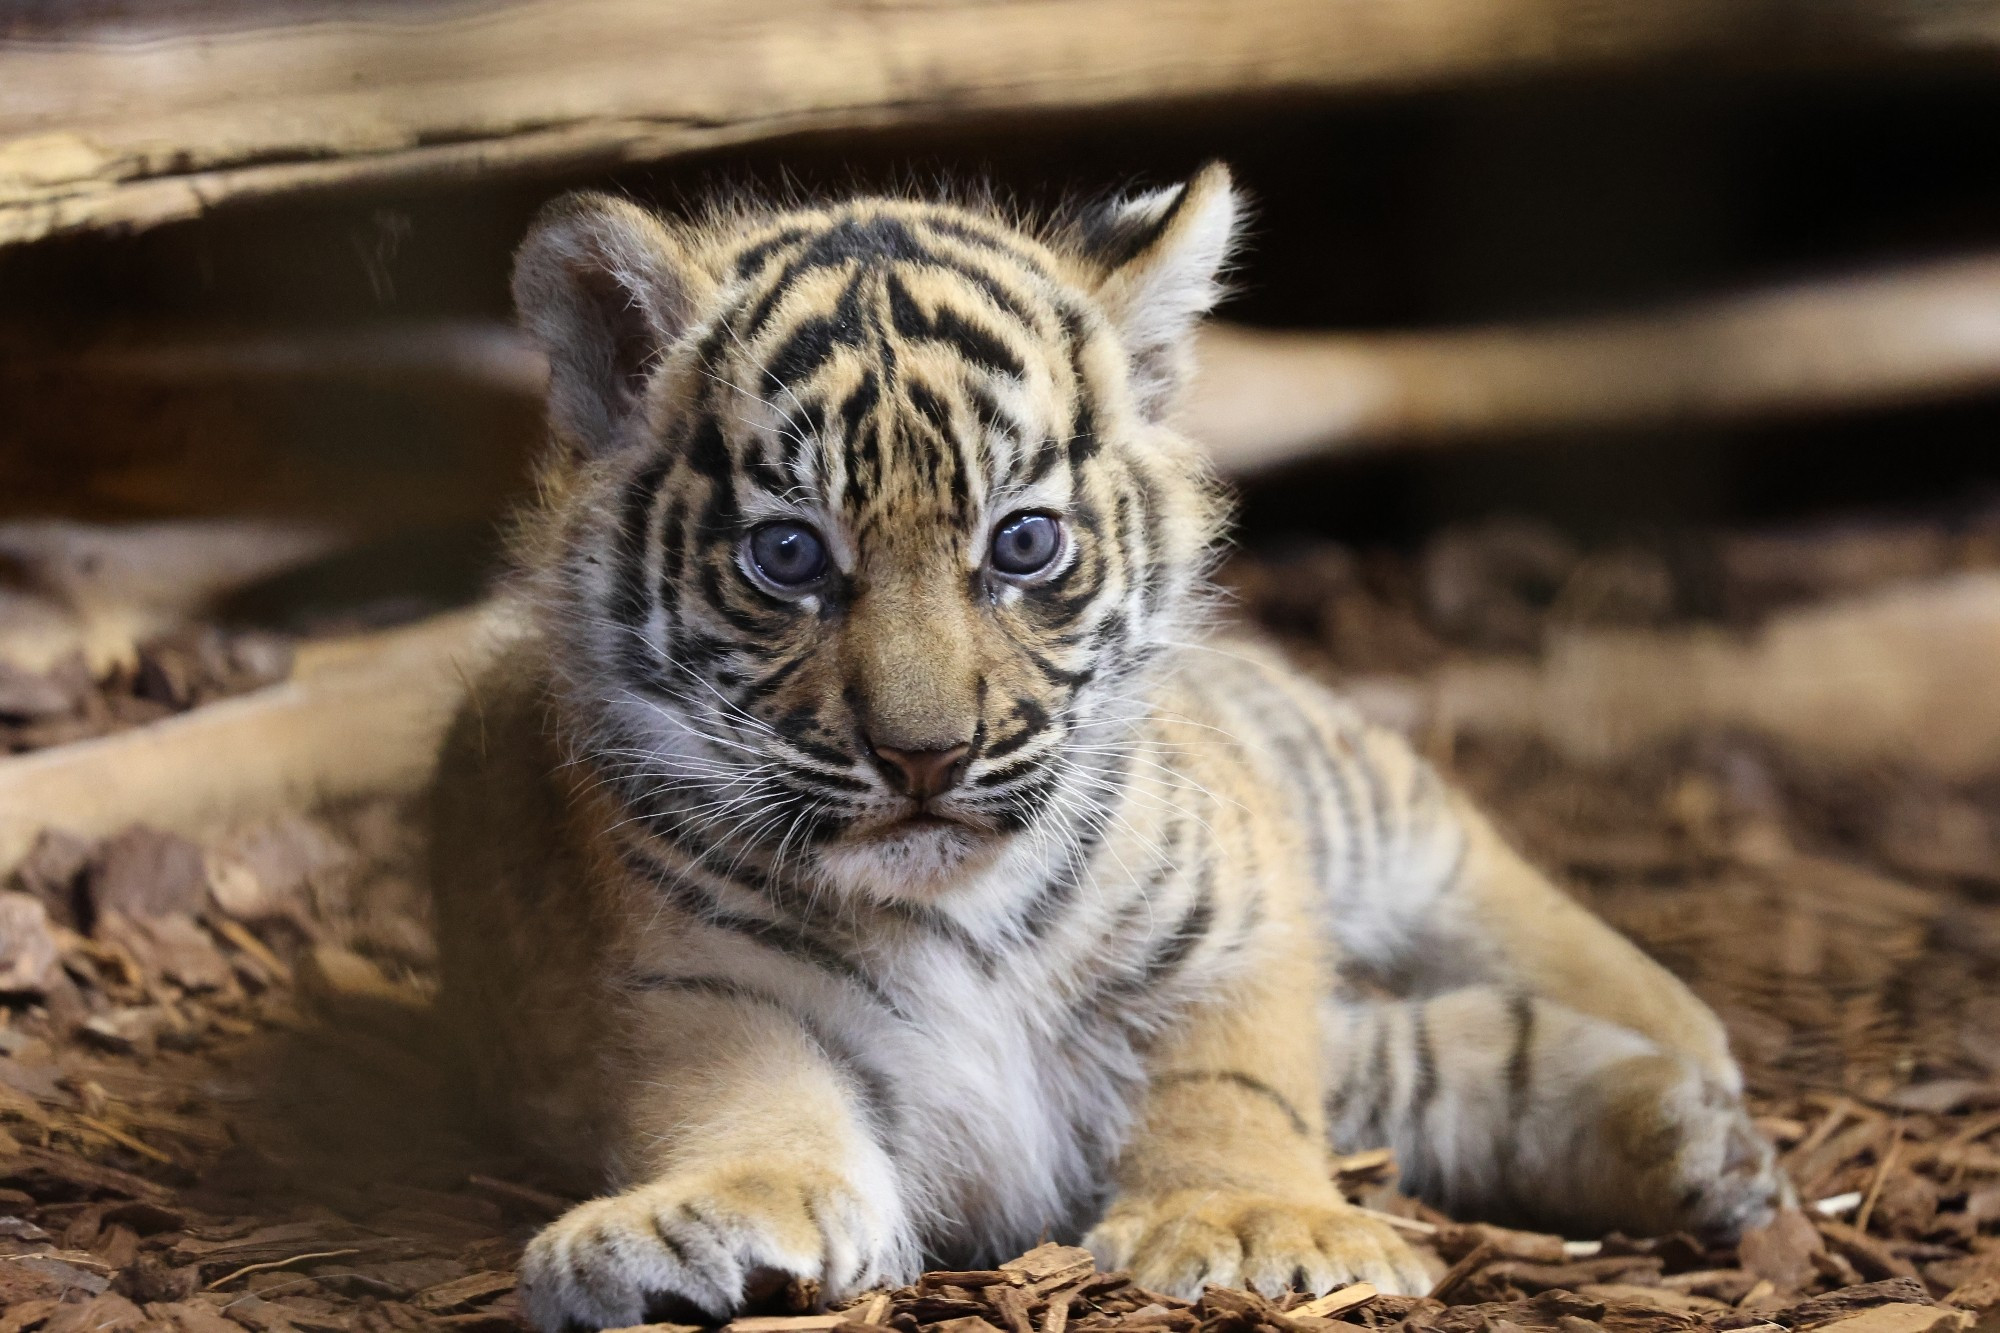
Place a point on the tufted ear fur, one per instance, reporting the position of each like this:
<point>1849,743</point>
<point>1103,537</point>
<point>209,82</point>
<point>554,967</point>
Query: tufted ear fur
<point>1161,256</point>
<point>604,289</point>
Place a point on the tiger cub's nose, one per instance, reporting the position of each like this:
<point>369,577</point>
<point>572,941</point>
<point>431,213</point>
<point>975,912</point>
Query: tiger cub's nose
<point>922,774</point>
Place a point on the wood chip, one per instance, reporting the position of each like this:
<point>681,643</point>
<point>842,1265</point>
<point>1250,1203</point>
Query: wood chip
<point>872,1310</point>
<point>1456,1275</point>
<point>1903,1319</point>
<point>1051,1261</point>
<point>526,1196</point>
<point>1882,1170</point>
<point>274,1264</point>
<point>1780,1252</point>
<point>463,1293</point>
<point>1335,1303</point>
<point>1872,1258</point>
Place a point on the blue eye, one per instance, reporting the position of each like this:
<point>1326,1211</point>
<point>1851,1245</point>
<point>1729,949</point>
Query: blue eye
<point>790,555</point>
<point>1026,544</point>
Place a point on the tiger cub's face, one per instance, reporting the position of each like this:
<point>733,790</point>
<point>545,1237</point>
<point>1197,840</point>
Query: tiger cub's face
<point>864,521</point>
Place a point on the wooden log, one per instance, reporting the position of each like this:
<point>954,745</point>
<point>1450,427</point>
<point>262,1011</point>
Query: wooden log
<point>358,716</point>
<point>1917,332</point>
<point>1904,675</point>
<point>128,116</point>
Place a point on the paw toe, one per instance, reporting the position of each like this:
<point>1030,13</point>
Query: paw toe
<point>1179,1243</point>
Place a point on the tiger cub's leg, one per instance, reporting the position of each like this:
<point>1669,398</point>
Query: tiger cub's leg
<point>1225,1181</point>
<point>754,1156</point>
<point>1504,1105</point>
<point>1557,1070</point>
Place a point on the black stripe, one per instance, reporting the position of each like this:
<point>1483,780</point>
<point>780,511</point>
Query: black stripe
<point>1381,1074</point>
<point>1060,889</point>
<point>1024,803</point>
<point>818,782</point>
<point>990,288</point>
<point>752,258</point>
<point>1189,933</point>
<point>934,922</point>
<point>878,1100</point>
<point>859,404</point>
<point>745,622</point>
<point>865,243</point>
<point>1083,442</point>
<point>1013,772</point>
<point>1345,1087</point>
<point>790,940</point>
<point>769,683</point>
<point>1055,675</point>
<point>1238,1079</point>
<point>673,552</point>
<point>811,749</point>
<point>952,328</point>
<point>1115,235</point>
<point>999,243</point>
<point>630,604</point>
<point>1426,1057</point>
<point>1378,795</point>
<point>667,1242</point>
<point>809,346</point>
<point>1034,721</point>
<point>796,943</point>
<point>1520,1059</point>
<point>708,452</point>
<point>1317,755</point>
<point>929,406</point>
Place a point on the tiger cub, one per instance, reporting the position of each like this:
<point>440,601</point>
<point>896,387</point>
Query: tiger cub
<point>869,857</point>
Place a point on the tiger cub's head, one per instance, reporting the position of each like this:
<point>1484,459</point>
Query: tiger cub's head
<point>865,520</point>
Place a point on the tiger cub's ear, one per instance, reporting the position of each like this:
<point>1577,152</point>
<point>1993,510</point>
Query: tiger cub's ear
<point>604,289</point>
<point>1161,257</point>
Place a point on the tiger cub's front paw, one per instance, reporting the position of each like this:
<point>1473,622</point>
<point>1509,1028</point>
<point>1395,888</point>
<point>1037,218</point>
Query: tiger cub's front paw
<point>1182,1241</point>
<point>704,1241</point>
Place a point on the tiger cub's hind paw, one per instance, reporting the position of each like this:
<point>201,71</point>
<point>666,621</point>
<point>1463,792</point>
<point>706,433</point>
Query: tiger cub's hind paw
<point>1692,1160</point>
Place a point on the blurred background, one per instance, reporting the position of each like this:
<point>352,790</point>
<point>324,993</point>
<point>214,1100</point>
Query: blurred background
<point>1611,389</point>
<point>1625,267</point>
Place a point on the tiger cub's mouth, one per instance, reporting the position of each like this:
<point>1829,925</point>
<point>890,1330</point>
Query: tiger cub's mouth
<point>920,821</point>
<point>914,853</point>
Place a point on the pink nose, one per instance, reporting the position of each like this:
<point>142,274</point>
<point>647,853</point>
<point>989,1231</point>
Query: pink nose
<point>922,774</point>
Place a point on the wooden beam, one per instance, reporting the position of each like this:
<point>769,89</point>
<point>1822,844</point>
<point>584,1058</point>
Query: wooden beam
<point>1920,332</point>
<point>129,116</point>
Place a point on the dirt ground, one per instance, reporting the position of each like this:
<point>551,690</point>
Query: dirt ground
<point>221,1107</point>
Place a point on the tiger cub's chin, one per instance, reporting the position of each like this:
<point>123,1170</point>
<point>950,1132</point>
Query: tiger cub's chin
<point>909,858</point>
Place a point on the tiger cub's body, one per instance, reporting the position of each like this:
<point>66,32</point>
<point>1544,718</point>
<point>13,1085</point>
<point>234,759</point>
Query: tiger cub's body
<point>869,858</point>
